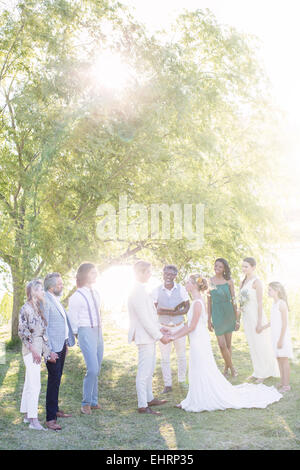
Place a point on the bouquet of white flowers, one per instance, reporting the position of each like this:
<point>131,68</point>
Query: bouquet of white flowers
<point>243,299</point>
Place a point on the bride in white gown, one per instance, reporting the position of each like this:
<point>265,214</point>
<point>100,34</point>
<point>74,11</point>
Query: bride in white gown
<point>208,388</point>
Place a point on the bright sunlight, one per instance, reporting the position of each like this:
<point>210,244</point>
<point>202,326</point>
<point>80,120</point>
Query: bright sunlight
<point>110,71</point>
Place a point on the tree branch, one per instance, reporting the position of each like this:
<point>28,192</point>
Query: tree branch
<point>128,253</point>
<point>39,268</point>
<point>8,206</point>
<point>13,124</point>
<point>2,72</point>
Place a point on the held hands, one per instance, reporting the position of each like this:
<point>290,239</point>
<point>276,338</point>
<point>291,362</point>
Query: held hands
<point>53,357</point>
<point>166,339</point>
<point>210,325</point>
<point>261,328</point>
<point>165,331</point>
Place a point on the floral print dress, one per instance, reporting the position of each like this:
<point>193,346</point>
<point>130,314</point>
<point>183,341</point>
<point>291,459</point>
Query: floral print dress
<point>32,330</point>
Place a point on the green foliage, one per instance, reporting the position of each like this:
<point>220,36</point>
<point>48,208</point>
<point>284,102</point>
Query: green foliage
<point>14,344</point>
<point>6,306</point>
<point>193,125</point>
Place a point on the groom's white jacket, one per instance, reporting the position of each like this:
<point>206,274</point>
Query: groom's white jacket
<point>144,325</point>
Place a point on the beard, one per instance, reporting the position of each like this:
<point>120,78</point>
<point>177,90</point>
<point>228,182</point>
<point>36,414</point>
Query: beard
<point>58,292</point>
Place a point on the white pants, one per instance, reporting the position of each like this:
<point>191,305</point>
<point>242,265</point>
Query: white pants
<point>32,387</point>
<point>165,349</point>
<point>146,366</point>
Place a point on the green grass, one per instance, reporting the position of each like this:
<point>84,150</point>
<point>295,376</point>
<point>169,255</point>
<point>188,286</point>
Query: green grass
<point>118,426</point>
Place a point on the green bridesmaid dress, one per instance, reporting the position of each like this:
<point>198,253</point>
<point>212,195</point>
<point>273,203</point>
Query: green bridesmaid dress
<point>223,316</point>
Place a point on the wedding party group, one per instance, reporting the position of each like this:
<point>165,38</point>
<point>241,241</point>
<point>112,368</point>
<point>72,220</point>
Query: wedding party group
<point>47,329</point>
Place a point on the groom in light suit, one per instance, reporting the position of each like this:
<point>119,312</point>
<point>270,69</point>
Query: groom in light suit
<point>145,331</point>
<point>60,337</point>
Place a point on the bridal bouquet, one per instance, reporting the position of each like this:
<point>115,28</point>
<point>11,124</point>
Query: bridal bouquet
<point>243,299</point>
<point>211,286</point>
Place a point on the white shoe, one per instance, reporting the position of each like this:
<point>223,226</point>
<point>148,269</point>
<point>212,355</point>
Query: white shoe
<point>26,420</point>
<point>37,427</point>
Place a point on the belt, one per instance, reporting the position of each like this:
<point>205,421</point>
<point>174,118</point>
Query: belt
<point>171,325</point>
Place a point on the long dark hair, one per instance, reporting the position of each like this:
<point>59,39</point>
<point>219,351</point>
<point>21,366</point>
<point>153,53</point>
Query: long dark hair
<point>82,273</point>
<point>252,263</point>
<point>227,271</point>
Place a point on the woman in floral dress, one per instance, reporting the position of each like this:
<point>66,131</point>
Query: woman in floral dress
<point>32,331</point>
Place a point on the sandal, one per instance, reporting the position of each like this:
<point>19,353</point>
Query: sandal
<point>37,426</point>
<point>53,425</point>
<point>259,381</point>
<point>284,389</point>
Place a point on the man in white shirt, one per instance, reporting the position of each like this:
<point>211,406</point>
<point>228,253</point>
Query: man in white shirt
<point>167,297</point>
<point>145,331</point>
<point>84,316</point>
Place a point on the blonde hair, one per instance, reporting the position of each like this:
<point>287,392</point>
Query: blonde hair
<point>280,291</point>
<point>200,281</point>
<point>30,288</point>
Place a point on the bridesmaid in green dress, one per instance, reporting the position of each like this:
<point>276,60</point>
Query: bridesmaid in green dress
<point>222,311</point>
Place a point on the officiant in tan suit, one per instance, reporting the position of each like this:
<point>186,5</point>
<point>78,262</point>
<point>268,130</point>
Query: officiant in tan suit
<point>145,330</point>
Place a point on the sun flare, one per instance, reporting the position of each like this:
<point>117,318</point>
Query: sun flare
<point>115,285</point>
<point>111,71</point>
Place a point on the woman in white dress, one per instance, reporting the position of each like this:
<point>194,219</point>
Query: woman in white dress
<point>208,388</point>
<point>254,319</point>
<point>280,333</point>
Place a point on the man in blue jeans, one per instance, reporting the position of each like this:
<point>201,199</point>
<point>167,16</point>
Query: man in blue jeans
<point>84,316</point>
<point>60,336</point>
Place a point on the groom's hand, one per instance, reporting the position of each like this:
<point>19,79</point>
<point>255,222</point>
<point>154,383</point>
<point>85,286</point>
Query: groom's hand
<point>165,339</point>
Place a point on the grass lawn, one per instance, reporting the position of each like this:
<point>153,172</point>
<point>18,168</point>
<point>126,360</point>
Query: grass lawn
<point>118,426</point>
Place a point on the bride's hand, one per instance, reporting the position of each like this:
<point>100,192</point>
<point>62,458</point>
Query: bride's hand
<point>210,326</point>
<point>165,331</point>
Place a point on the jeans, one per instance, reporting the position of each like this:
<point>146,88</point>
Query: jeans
<point>91,345</point>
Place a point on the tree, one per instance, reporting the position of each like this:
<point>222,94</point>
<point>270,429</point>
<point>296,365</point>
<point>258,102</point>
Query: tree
<point>187,128</point>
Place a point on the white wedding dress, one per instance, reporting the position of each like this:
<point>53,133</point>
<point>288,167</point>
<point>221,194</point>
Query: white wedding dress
<point>262,355</point>
<point>208,388</point>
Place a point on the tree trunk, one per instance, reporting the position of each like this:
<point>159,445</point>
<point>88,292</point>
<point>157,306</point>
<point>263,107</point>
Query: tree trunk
<point>18,300</point>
